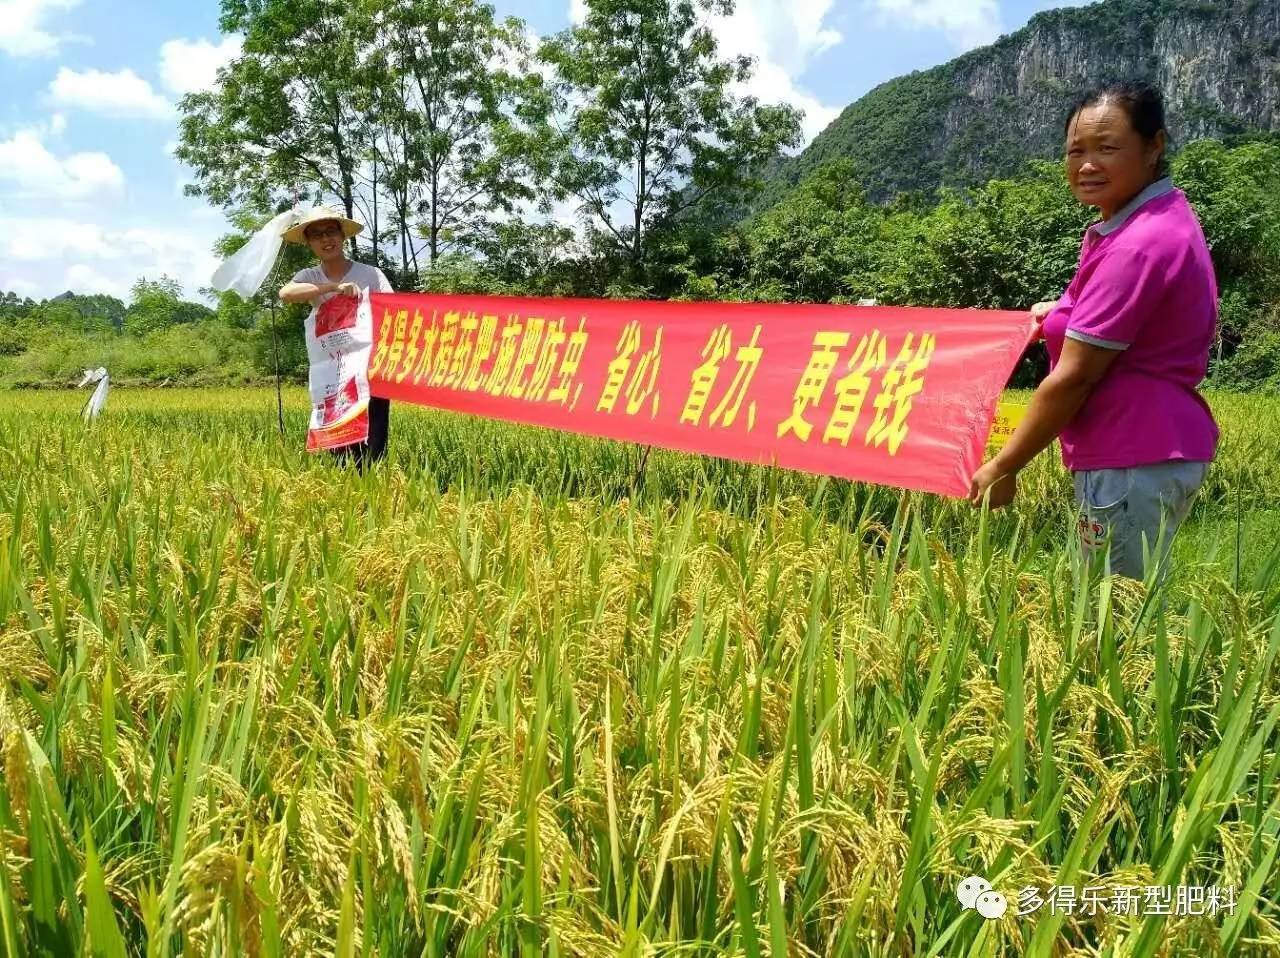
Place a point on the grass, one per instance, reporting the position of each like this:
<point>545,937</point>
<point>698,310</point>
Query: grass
<point>510,695</point>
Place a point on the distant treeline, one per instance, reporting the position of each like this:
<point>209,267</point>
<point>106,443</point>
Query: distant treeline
<point>1004,245</point>
<point>606,160</point>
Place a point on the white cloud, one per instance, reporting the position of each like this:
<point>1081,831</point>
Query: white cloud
<point>788,34</point>
<point>966,23</point>
<point>19,287</point>
<point>23,30</point>
<point>121,94</point>
<point>30,171</point>
<point>52,238</point>
<point>86,280</point>
<point>771,84</point>
<point>189,66</point>
<point>56,253</point>
<point>53,125</point>
<point>784,37</point>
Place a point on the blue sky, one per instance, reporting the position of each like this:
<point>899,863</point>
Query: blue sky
<point>91,199</point>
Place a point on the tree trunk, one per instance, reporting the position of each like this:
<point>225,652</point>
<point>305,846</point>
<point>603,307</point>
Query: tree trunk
<point>642,191</point>
<point>434,237</point>
<point>349,203</point>
<point>375,199</point>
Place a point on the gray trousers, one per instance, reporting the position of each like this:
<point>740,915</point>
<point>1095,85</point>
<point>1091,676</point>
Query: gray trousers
<point>1127,509</point>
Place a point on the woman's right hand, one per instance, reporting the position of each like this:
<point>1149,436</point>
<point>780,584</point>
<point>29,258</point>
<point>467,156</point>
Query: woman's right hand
<point>342,289</point>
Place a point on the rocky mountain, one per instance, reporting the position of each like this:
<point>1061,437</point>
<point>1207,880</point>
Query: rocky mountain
<point>986,113</point>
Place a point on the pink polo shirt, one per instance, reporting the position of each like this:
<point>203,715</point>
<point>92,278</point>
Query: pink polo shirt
<point>1145,286</point>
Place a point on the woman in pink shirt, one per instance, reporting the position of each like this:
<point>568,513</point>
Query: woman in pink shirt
<point>1128,342</point>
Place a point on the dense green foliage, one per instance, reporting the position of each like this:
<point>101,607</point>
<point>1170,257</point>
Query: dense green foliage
<point>500,698</point>
<point>439,127</point>
<point>159,305</point>
<point>1006,245</point>
<point>402,111</point>
<point>642,124</point>
<point>431,123</point>
<point>158,338</point>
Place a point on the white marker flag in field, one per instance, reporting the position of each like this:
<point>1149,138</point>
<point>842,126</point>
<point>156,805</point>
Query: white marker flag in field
<point>99,398</point>
<point>245,270</point>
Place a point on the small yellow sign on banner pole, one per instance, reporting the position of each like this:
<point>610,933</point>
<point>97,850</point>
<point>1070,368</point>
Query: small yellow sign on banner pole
<point>1008,415</point>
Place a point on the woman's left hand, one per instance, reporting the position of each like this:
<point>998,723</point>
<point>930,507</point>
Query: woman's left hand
<point>1040,310</point>
<point>1003,486</point>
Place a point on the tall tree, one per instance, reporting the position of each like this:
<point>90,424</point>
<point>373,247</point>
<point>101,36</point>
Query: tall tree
<point>286,113</point>
<point>452,79</point>
<point>642,122</point>
<point>391,106</point>
<point>80,313</point>
<point>158,304</point>
<point>12,305</point>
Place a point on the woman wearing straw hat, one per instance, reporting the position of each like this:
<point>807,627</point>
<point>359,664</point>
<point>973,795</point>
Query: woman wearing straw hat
<point>326,232</point>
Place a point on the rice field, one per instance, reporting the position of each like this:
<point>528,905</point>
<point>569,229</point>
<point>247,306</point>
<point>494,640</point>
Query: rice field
<point>522,693</point>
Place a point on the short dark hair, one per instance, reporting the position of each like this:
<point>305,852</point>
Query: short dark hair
<point>1141,101</point>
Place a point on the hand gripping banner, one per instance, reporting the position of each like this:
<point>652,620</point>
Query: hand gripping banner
<point>900,397</point>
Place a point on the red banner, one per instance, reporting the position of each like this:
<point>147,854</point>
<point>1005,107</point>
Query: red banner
<point>901,397</point>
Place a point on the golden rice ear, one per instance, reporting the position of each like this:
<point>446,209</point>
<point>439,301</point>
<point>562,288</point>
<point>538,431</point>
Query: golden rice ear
<point>253,705</point>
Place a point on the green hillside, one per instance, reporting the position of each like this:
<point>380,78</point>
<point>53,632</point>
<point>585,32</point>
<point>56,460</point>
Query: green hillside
<point>987,113</point>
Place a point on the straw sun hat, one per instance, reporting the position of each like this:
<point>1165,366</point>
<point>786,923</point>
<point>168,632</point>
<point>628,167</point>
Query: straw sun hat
<point>320,214</point>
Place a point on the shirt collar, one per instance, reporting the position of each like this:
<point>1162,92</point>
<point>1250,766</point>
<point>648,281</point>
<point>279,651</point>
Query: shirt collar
<point>1160,187</point>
